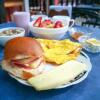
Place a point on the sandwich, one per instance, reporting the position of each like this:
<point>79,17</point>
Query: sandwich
<point>23,57</point>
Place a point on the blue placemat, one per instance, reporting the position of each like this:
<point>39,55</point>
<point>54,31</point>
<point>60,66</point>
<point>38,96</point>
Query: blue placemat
<point>89,89</point>
<point>9,24</point>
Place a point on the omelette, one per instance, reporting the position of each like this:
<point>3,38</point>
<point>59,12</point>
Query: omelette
<point>59,51</point>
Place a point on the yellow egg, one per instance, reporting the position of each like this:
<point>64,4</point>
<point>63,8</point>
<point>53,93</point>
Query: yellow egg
<point>59,51</point>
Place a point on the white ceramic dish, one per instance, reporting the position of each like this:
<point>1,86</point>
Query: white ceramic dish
<point>49,33</point>
<point>93,46</point>
<point>82,58</point>
<point>5,38</point>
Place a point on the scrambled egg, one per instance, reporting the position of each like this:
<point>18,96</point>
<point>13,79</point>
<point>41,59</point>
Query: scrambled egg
<point>59,51</point>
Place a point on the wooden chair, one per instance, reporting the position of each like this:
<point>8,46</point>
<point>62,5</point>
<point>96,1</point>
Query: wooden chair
<point>91,17</point>
<point>59,10</point>
<point>53,12</point>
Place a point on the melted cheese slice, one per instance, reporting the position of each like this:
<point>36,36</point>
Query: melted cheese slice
<point>58,76</point>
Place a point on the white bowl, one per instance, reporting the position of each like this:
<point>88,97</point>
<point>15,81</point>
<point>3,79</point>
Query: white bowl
<point>5,38</point>
<point>93,47</point>
<point>48,33</point>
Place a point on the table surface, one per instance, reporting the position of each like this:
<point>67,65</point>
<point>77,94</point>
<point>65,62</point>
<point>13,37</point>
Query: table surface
<point>89,89</point>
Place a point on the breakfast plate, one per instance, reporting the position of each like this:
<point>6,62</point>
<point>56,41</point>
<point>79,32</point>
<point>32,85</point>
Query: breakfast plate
<point>83,58</point>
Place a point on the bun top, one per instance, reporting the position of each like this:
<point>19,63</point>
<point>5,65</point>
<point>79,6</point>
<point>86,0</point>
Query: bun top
<point>23,47</point>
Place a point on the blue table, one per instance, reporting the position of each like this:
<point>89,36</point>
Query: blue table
<point>89,89</point>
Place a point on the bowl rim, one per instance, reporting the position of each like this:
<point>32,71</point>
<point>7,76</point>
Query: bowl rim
<point>38,16</point>
<point>2,29</point>
<point>44,28</point>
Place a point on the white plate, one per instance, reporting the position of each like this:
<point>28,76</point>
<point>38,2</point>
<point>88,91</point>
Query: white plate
<point>83,58</point>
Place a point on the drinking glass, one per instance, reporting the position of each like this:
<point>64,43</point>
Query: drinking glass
<point>22,20</point>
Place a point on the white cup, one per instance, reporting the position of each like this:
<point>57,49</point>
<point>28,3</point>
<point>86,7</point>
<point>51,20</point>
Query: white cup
<point>22,19</point>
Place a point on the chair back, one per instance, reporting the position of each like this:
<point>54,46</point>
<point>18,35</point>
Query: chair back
<point>60,10</point>
<point>54,12</point>
<point>92,18</point>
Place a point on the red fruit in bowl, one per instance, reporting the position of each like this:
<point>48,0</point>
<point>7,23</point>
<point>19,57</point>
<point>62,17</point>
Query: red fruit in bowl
<point>50,25</point>
<point>37,22</point>
<point>45,23</point>
<point>58,24</point>
<point>48,21</point>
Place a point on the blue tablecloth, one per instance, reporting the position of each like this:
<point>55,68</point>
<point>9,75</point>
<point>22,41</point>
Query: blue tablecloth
<point>89,89</point>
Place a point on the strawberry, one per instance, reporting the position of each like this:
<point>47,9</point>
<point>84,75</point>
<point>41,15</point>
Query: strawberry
<point>45,23</point>
<point>50,25</point>
<point>58,24</point>
<point>48,21</point>
<point>37,22</point>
